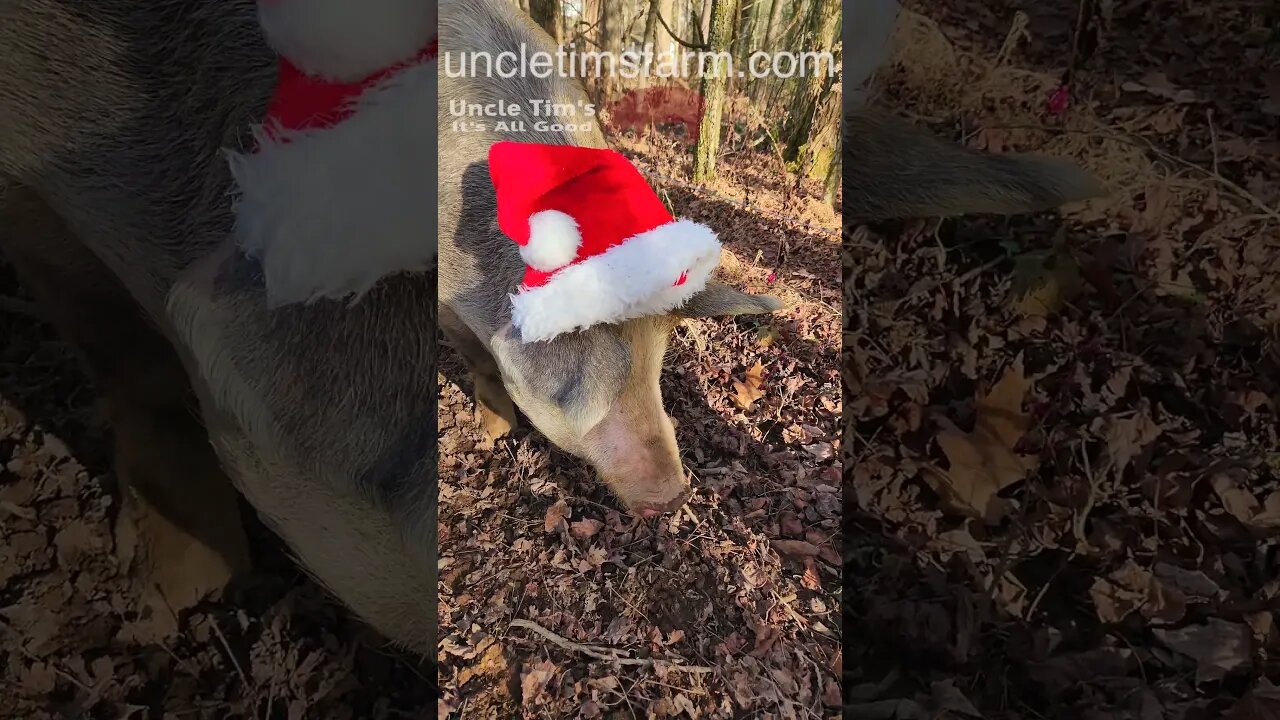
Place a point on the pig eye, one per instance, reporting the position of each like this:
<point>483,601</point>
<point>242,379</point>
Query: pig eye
<point>569,390</point>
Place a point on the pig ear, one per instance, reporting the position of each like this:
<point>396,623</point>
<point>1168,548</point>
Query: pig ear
<point>719,300</point>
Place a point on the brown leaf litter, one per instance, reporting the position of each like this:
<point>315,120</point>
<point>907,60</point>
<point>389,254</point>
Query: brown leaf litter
<point>727,608</point>
<point>1062,437</point>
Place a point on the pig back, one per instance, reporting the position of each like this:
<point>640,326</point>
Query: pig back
<point>478,265</point>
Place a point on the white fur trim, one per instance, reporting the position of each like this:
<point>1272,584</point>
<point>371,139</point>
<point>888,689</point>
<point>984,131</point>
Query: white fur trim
<point>553,240</point>
<point>332,211</point>
<point>630,280</point>
<point>347,39</point>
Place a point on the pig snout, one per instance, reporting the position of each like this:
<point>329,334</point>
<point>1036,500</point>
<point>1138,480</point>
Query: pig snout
<point>636,455</point>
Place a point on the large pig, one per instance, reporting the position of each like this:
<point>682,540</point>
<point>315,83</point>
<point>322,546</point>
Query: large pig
<point>114,117</point>
<point>594,393</point>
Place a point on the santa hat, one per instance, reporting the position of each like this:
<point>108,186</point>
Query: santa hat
<point>598,244</point>
<point>341,187</point>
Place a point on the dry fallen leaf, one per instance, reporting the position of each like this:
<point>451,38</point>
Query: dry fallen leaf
<point>584,529</point>
<point>984,462</point>
<point>534,681</point>
<point>1158,84</point>
<point>766,637</point>
<point>796,548</point>
<point>1132,587</point>
<point>1128,436</point>
<point>811,579</point>
<point>1218,646</point>
<point>1261,703</point>
<point>1236,497</point>
<point>831,694</point>
<point>748,391</point>
<point>820,451</point>
<point>1269,518</point>
<point>1044,282</point>
<point>556,515</point>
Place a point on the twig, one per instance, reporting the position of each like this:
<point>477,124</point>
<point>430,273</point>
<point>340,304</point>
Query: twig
<point>1213,138</point>
<point>672,33</point>
<point>213,623</point>
<point>597,652</point>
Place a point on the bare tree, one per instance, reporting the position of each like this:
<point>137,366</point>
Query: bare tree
<point>746,32</point>
<point>810,99</point>
<point>771,21</point>
<point>724,14</point>
<point>832,184</point>
<point>547,14</point>
<point>704,24</point>
<point>659,12</point>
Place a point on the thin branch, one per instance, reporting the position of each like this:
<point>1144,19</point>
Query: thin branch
<point>672,33</point>
<point>599,653</point>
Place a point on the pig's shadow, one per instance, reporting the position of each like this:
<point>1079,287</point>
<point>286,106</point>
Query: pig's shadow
<point>478,209</point>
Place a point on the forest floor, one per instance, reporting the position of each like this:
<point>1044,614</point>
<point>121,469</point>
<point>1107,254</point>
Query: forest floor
<point>1064,469</point>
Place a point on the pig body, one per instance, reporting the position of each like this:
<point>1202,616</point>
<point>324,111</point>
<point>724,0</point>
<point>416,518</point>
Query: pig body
<point>114,117</point>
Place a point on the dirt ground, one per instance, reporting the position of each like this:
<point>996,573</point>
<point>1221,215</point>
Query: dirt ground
<point>727,609</point>
<point>1064,474</point>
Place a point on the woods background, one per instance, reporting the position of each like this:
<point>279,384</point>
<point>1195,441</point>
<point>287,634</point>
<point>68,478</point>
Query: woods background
<point>798,118</point>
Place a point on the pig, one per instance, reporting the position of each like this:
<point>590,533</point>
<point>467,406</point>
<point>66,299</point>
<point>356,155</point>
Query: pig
<point>115,119</point>
<point>114,212</point>
<point>593,393</point>
<point>596,393</point>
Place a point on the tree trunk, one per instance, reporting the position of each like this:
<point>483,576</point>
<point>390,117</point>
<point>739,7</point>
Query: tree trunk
<point>653,30</point>
<point>832,185</point>
<point>775,20</point>
<point>605,25</point>
<point>651,26</point>
<point>547,14</point>
<point>704,24</point>
<point>723,16</point>
<point>747,34</point>
<point>822,27</point>
<point>771,22</point>
<point>824,140</point>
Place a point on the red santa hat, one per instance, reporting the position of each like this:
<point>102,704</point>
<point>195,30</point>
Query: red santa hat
<point>340,190</point>
<point>597,242</point>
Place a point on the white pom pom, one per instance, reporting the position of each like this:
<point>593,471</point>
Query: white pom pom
<point>553,241</point>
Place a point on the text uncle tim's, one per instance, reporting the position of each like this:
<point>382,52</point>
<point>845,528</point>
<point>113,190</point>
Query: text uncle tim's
<point>507,116</point>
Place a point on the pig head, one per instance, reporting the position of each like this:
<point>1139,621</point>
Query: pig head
<point>594,393</point>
